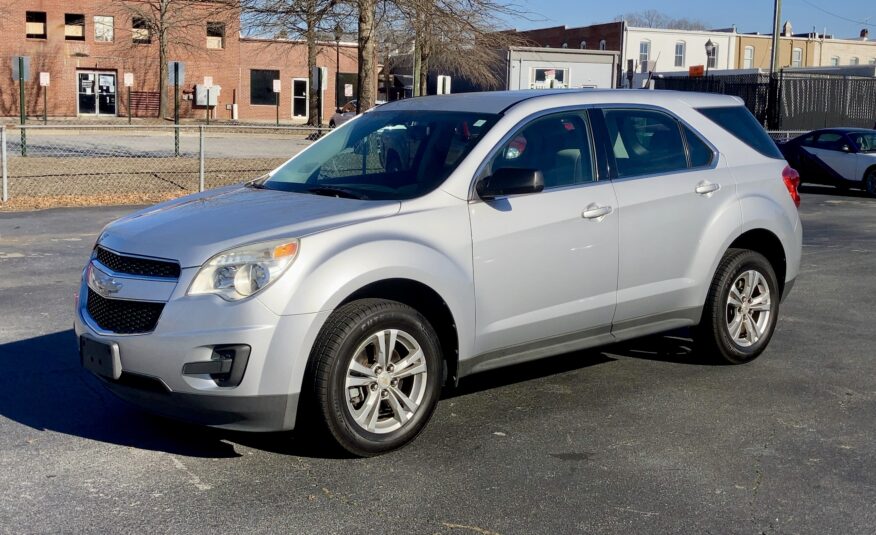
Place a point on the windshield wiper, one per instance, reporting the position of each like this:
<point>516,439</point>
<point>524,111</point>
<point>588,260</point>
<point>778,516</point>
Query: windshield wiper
<point>258,183</point>
<point>333,191</point>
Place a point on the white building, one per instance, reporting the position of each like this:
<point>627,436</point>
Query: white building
<point>554,68</point>
<point>658,50</point>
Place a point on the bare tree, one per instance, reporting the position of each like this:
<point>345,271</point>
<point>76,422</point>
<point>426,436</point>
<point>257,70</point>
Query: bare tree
<point>174,24</point>
<point>307,19</point>
<point>460,37</point>
<point>652,18</point>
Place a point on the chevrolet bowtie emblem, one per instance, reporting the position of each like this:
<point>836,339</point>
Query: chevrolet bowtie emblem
<point>102,283</point>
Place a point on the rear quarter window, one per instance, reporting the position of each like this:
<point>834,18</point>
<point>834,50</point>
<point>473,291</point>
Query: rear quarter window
<point>741,123</point>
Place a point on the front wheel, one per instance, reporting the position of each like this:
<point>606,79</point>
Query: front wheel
<point>377,375</point>
<point>741,309</point>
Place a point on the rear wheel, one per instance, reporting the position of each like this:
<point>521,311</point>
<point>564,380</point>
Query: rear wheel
<point>741,309</point>
<point>870,183</point>
<point>376,376</point>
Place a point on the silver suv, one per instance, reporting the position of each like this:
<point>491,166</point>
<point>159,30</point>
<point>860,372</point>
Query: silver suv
<point>440,237</point>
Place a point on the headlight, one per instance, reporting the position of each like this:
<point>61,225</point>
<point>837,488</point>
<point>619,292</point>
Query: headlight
<point>244,271</point>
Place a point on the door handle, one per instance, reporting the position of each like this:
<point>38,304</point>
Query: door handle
<point>596,212</point>
<point>705,188</point>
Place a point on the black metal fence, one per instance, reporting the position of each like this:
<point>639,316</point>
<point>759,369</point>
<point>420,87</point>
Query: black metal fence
<point>803,101</point>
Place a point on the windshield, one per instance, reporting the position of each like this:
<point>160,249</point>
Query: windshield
<point>865,141</point>
<point>384,155</point>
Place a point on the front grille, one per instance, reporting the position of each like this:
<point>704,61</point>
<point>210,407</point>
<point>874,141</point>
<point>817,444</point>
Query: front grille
<point>123,317</point>
<point>138,266</point>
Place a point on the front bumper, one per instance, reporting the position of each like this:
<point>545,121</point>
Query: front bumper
<point>189,329</point>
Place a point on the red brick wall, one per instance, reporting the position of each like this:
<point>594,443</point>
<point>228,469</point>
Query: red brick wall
<point>611,32</point>
<point>229,66</point>
<point>290,58</point>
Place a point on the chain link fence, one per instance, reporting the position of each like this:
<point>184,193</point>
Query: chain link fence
<point>64,165</point>
<point>99,164</point>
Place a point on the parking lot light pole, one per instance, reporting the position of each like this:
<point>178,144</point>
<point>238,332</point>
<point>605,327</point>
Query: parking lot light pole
<point>710,50</point>
<point>21,105</point>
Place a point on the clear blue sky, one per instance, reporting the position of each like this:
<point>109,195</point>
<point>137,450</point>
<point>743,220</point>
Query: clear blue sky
<point>748,15</point>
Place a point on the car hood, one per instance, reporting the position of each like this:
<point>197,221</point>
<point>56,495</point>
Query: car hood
<point>193,229</point>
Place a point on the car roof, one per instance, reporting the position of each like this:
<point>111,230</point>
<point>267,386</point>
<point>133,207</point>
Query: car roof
<point>840,130</point>
<point>494,102</point>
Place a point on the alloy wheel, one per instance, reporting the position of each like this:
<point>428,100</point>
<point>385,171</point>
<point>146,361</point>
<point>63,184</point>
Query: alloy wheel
<point>386,381</point>
<point>749,306</point>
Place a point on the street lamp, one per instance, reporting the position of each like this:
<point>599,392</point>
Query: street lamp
<point>710,50</point>
<point>339,33</point>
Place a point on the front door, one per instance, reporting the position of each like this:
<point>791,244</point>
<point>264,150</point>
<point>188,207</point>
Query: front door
<point>96,93</point>
<point>545,264</point>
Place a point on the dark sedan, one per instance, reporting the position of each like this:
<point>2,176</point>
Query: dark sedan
<point>841,157</point>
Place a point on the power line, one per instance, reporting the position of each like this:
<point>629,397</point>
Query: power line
<point>819,8</point>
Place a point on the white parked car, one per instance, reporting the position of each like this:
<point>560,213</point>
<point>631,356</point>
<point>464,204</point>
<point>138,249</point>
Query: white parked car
<point>343,290</point>
<point>841,157</point>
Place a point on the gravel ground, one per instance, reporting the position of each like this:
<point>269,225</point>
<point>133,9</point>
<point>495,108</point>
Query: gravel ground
<point>635,438</point>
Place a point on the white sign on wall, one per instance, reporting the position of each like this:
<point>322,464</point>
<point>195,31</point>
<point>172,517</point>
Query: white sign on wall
<point>208,82</point>
<point>45,78</point>
<point>129,79</point>
<point>278,86</point>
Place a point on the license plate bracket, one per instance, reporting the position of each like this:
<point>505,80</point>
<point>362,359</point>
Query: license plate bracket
<point>100,358</point>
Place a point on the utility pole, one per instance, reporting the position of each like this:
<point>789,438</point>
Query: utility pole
<point>773,118</point>
<point>777,28</point>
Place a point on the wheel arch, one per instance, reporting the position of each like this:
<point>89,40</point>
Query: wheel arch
<point>765,242</point>
<point>427,302</point>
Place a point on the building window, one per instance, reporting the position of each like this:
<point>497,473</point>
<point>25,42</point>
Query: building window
<point>583,45</point>
<point>797,57</point>
<point>36,24</point>
<point>644,52</point>
<point>215,35</point>
<point>602,45</point>
<point>74,27</point>
<point>855,61</point>
<point>261,87</point>
<point>713,58</point>
<point>549,78</point>
<point>834,61</point>
<point>103,29</point>
<point>140,32</point>
<point>680,48</point>
<point>748,58</point>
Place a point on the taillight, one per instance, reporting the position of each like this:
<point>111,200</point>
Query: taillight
<point>792,181</point>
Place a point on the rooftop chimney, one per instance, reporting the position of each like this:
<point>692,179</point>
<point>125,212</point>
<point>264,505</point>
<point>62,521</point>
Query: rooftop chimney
<point>787,29</point>
<point>865,34</point>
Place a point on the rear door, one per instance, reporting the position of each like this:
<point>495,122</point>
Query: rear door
<point>669,188</point>
<point>545,264</point>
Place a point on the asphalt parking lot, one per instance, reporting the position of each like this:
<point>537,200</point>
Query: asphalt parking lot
<point>636,438</point>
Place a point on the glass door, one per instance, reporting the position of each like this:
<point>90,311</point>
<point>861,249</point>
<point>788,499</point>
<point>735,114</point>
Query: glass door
<point>87,96</point>
<point>106,93</point>
<point>97,93</point>
<point>300,108</point>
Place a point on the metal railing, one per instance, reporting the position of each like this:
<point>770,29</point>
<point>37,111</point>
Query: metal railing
<point>98,164</point>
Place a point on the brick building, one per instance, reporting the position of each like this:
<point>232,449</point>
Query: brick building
<point>87,47</point>
<point>608,36</point>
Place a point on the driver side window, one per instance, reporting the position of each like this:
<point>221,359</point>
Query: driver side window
<point>557,145</point>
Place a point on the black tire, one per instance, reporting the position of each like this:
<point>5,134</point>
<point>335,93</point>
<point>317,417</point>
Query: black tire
<point>870,182</point>
<point>712,336</point>
<point>345,331</point>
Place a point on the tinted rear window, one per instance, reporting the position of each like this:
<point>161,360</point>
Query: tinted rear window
<point>741,123</point>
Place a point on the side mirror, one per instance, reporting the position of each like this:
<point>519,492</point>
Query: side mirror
<point>510,181</point>
<point>339,110</point>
